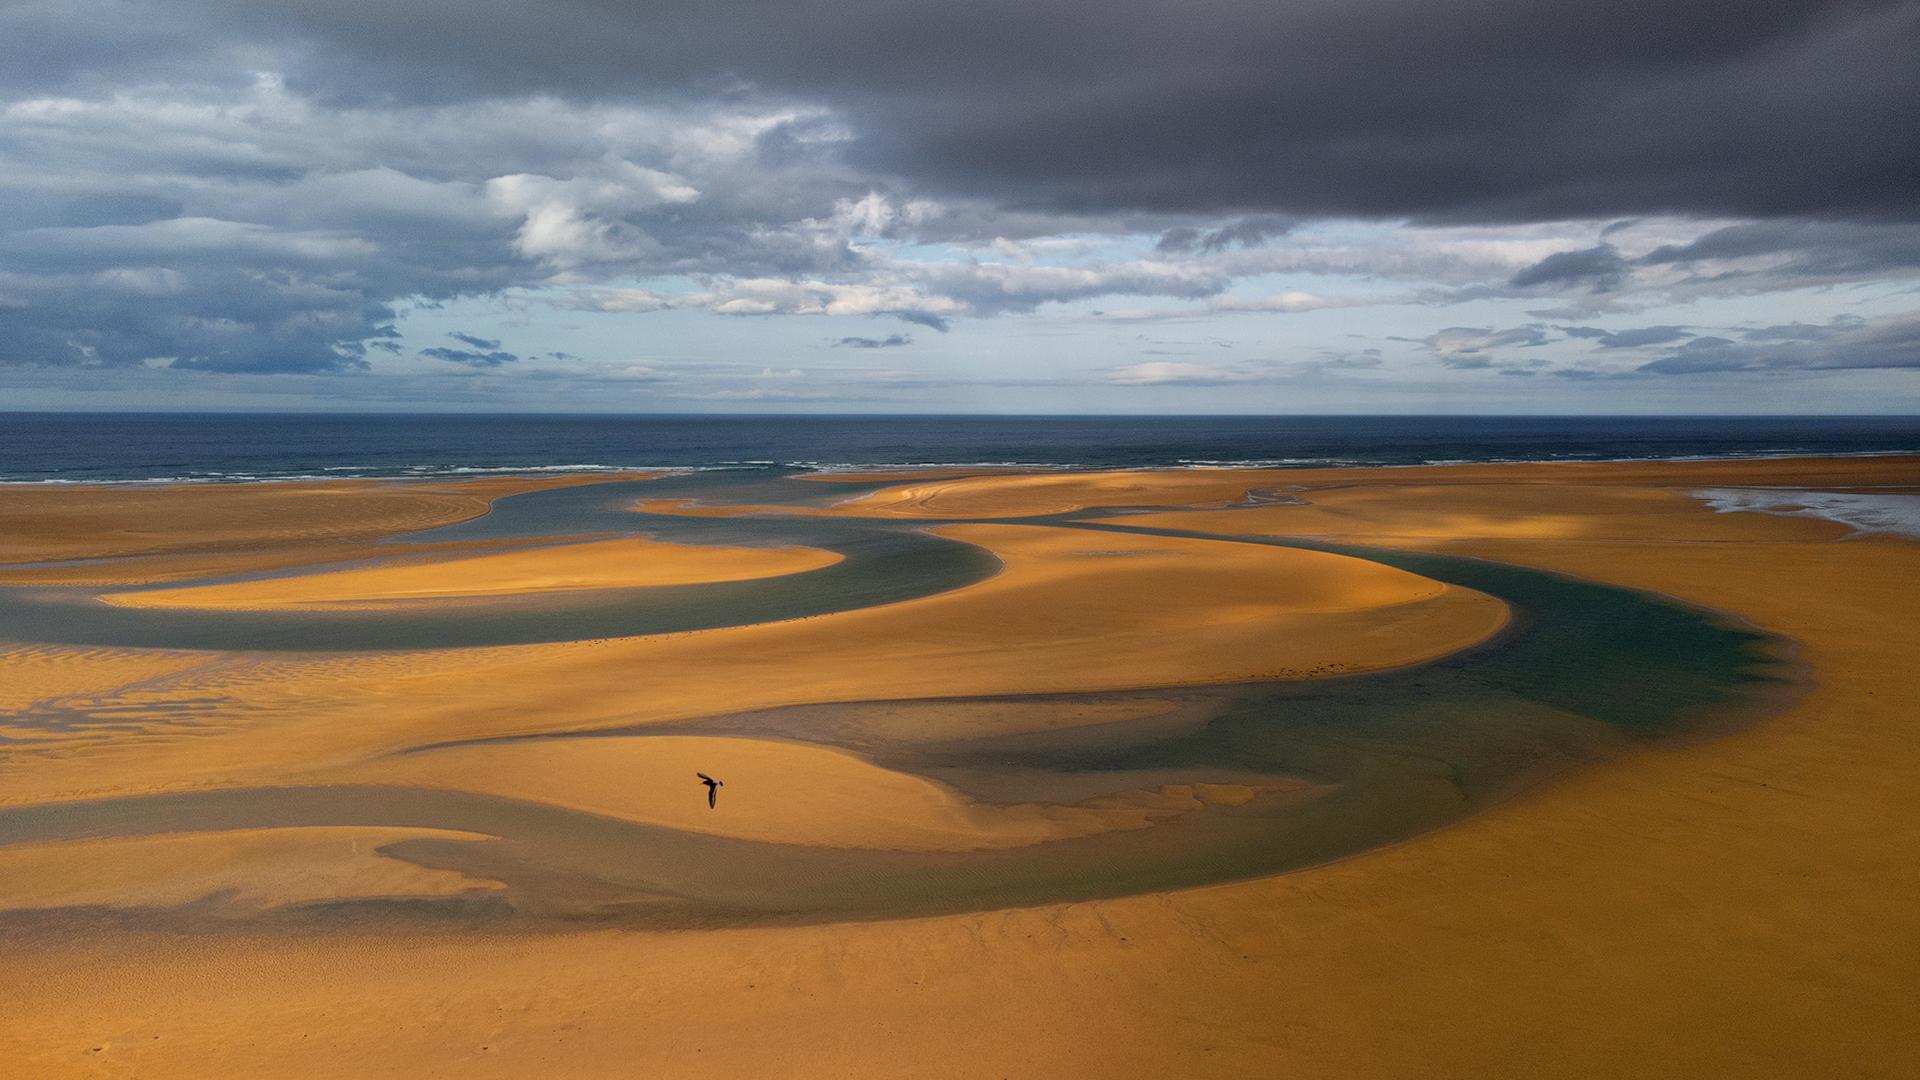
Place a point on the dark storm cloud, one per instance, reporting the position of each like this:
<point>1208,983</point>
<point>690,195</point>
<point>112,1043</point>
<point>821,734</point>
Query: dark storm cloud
<point>1499,109</point>
<point>1247,232</point>
<point>1851,345</point>
<point>1492,110</point>
<point>254,187</point>
<point>1803,248</point>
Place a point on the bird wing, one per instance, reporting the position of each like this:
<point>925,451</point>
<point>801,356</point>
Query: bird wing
<point>705,777</point>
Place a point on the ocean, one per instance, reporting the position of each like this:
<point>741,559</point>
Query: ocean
<point>173,447</point>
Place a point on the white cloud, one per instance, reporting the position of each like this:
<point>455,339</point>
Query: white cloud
<point>765,296</point>
<point>1466,347</point>
<point>568,223</point>
<point>611,299</point>
<point>759,393</point>
<point>1166,371</point>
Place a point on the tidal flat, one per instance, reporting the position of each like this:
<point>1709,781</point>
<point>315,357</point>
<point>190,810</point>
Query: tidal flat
<point>1115,761</point>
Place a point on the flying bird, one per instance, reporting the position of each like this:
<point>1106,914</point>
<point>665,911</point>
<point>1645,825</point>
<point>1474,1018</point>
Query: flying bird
<point>713,788</point>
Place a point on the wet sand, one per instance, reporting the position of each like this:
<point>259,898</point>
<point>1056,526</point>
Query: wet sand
<point>1739,906</point>
<point>782,793</point>
<point>238,869</point>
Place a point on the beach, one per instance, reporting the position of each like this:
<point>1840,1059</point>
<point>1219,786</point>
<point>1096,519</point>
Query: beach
<point>1718,905</point>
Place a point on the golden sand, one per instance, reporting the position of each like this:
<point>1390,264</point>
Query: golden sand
<point>994,495</point>
<point>42,674</point>
<point>1740,907</point>
<point>1055,493</point>
<point>243,868</point>
<point>604,564</point>
<point>1519,512</point>
<point>136,534</point>
<point>1071,611</point>
<point>1052,493</point>
<point>157,569</point>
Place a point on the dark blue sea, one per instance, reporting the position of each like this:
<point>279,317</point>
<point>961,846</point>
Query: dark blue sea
<point>120,447</point>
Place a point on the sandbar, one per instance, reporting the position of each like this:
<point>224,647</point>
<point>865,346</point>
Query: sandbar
<point>126,534</point>
<point>603,564</point>
<point>1064,492</point>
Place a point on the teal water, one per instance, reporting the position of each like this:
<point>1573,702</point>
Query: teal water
<point>884,563</point>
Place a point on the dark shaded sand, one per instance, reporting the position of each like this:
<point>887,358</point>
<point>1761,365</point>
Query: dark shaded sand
<point>1743,906</point>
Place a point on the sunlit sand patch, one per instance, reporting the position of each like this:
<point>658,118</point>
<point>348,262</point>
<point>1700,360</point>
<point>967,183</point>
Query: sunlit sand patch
<point>1007,495</point>
<point>1162,575</point>
<point>1033,495</point>
<point>1494,511</point>
<point>40,524</point>
<point>246,868</point>
<point>159,569</point>
<point>604,564</point>
<point>780,792</point>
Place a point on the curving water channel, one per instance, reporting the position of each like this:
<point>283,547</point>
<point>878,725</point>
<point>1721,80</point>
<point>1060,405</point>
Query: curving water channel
<point>883,563</point>
<point>1583,672</point>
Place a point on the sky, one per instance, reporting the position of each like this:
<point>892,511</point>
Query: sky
<point>991,206</point>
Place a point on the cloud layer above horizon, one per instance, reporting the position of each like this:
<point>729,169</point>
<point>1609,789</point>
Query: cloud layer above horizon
<point>1384,205</point>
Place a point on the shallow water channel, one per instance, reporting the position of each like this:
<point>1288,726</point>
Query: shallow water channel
<point>1583,673</point>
